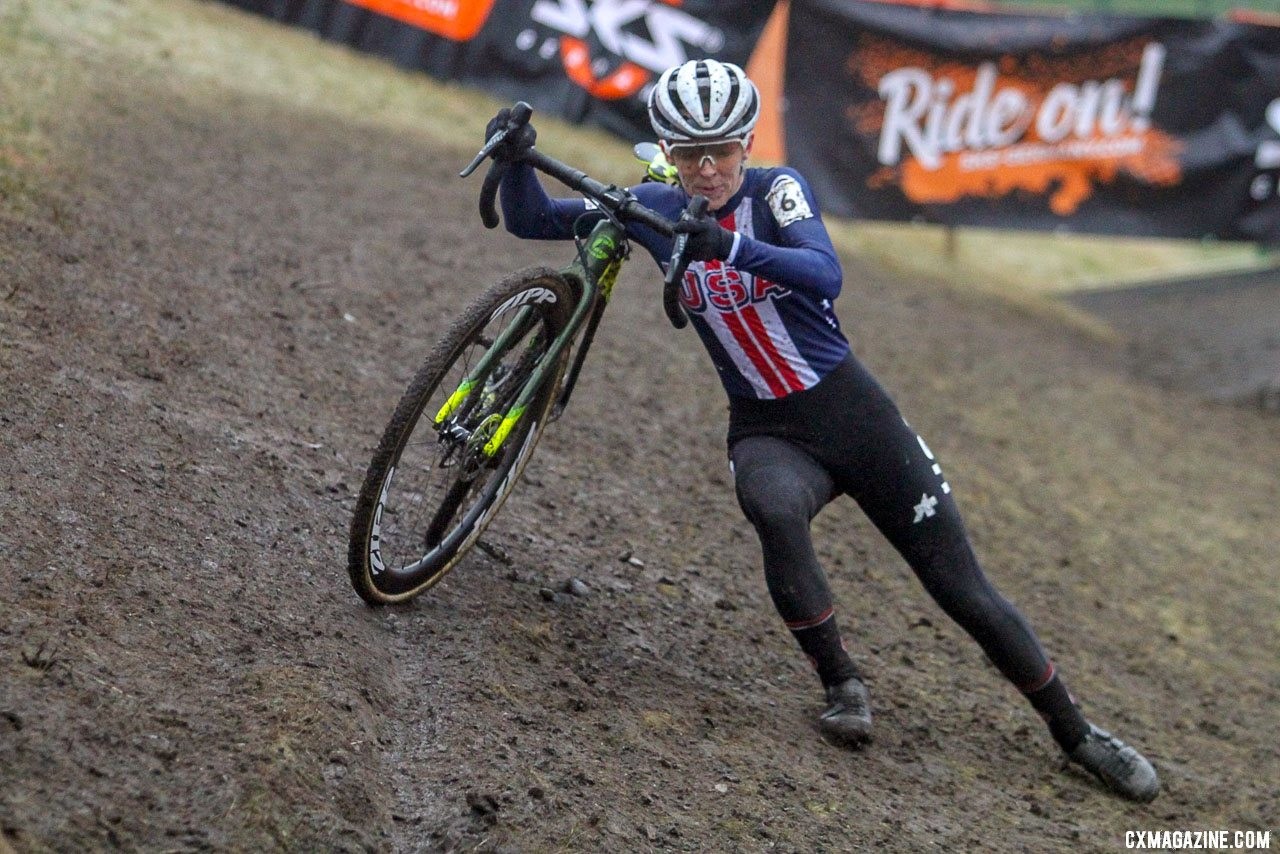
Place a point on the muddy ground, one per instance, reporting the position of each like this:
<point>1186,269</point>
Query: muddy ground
<point>202,333</point>
<point>1218,337</point>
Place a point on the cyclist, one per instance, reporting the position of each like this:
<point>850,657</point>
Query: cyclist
<point>807,422</point>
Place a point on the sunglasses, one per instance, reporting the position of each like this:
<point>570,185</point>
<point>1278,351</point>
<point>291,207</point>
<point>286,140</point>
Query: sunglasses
<point>695,155</point>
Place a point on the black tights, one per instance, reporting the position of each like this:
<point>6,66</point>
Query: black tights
<point>781,488</point>
<point>845,436</point>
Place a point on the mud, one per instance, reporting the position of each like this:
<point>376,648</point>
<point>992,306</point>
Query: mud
<point>1218,337</point>
<point>201,337</point>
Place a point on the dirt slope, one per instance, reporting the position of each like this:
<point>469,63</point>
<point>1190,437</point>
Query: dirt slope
<point>1217,337</point>
<point>202,330</point>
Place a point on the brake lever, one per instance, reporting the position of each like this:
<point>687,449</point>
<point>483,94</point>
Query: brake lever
<point>679,262</point>
<point>520,115</point>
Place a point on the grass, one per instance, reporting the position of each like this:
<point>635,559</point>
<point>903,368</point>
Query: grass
<point>1036,263</point>
<point>29,85</point>
<point>53,49</point>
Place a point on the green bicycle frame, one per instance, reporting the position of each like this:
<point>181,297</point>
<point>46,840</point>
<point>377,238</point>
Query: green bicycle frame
<point>595,271</point>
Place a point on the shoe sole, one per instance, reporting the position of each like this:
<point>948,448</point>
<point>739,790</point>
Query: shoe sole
<point>846,737</point>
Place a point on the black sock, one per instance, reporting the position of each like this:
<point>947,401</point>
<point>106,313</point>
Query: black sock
<point>1052,700</point>
<point>820,640</point>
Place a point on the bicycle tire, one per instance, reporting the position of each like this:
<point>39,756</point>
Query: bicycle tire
<point>406,484</point>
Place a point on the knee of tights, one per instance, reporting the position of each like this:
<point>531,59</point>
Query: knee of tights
<point>775,507</point>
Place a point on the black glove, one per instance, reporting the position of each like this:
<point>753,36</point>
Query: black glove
<point>708,240</point>
<point>516,143</point>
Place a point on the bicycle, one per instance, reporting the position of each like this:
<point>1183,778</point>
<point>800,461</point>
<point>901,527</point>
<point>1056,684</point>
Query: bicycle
<point>467,425</point>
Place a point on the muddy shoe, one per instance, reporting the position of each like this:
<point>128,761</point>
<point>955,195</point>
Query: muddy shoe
<point>1124,770</point>
<point>848,716</point>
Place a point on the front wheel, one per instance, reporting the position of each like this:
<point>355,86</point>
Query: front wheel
<point>457,442</point>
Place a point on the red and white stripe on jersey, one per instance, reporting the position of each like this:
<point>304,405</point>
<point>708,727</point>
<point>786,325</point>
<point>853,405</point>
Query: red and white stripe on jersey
<point>754,335</point>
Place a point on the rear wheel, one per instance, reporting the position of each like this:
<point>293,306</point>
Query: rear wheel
<point>455,445</point>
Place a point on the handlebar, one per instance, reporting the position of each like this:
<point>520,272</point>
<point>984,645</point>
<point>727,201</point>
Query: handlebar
<point>489,193</point>
<point>616,200</point>
<point>610,197</point>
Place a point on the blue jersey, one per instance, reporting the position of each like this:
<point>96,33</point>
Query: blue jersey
<point>764,314</point>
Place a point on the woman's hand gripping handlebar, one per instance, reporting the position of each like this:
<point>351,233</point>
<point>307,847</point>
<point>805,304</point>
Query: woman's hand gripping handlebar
<point>679,261</point>
<point>519,117</point>
<point>613,199</point>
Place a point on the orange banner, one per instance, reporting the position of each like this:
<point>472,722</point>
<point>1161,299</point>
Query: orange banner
<point>1058,128</point>
<point>1099,124</point>
<point>457,20</point>
<point>766,70</point>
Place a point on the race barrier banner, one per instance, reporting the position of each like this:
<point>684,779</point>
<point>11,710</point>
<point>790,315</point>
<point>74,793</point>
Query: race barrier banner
<point>583,60</point>
<point>1084,123</point>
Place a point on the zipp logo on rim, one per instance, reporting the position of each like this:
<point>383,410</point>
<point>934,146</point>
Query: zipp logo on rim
<point>669,28</point>
<point>375,536</point>
<point>532,295</point>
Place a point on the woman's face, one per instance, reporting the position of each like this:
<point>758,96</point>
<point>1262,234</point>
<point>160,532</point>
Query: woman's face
<point>713,169</point>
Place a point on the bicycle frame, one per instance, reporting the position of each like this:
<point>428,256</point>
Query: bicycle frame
<point>595,270</point>
<point>515,347</point>
<point>594,273</point>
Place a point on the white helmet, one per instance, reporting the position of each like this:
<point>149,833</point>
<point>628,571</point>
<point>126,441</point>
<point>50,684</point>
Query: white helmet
<point>703,100</point>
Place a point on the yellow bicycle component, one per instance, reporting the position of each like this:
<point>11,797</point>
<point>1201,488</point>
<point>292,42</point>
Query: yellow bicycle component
<point>662,170</point>
<point>608,277</point>
<point>455,400</point>
<point>504,429</point>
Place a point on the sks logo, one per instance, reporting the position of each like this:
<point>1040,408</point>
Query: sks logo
<point>1267,157</point>
<point>614,24</point>
<point>715,287</point>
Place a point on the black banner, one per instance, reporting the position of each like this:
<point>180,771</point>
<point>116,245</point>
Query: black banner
<point>1088,123</point>
<point>584,60</point>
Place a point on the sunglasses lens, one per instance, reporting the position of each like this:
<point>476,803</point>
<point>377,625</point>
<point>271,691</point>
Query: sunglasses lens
<point>686,154</point>
<point>689,155</point>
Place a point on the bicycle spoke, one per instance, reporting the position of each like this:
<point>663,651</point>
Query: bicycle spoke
<point>448,509</point>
